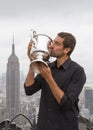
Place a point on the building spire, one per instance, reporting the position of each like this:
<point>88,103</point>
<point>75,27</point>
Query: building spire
<point>13,46</point>
<point>13,37</point>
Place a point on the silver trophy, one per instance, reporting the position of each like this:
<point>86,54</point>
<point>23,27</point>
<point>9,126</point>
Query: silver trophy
<point>39,52</point>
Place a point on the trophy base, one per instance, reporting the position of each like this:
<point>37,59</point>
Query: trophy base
<point>34,65</point>
<point>37,57</point>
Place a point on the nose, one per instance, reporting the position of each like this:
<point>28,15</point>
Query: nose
<point>50,46</point>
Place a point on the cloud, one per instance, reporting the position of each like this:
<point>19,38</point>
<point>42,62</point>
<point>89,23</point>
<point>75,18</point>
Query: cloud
<point>48,17</point>
<point>12,8</point>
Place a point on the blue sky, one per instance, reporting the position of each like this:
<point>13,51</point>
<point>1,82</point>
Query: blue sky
<point>48,17</point>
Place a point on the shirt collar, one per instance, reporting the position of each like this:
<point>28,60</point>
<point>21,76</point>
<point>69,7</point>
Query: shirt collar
<point>64,65</point>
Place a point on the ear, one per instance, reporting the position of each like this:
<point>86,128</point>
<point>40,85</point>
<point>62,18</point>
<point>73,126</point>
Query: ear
<point>66,50</point>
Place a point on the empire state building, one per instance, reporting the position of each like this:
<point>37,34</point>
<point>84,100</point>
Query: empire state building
<point>12,85</point>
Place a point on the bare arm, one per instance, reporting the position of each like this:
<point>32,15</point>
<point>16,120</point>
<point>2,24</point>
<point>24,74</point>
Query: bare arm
<point>29,49</point>
<point>30,76</point>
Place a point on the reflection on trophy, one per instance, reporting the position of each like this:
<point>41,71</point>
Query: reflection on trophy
<point>39,52</point>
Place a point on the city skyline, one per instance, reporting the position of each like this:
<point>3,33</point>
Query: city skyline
<point>48,17</point>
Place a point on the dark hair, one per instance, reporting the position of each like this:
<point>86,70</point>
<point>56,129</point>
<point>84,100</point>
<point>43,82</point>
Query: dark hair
<point>69,41</point>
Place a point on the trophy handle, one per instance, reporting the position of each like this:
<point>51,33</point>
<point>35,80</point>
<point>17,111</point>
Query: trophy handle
<point>34,38</point>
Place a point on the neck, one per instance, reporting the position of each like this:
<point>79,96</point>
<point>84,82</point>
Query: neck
<point>61,60</point>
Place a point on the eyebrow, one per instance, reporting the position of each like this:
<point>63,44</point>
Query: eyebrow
<point>56,42</point>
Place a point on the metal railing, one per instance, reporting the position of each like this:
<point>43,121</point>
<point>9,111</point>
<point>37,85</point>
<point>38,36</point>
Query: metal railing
<point>11,125</point>
<point>89,124</point>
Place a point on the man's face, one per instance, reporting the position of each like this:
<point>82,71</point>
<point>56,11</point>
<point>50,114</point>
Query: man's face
<point>56,48</point>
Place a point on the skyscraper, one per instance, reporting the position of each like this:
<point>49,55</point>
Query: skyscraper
<point>12,85</point>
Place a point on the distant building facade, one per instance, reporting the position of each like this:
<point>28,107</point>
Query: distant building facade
<point>12,85</point>
<point>89,99</point>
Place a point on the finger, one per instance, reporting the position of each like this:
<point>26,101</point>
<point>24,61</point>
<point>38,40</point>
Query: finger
<point>30,44</point>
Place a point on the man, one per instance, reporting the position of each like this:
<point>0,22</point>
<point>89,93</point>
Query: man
<point>60,84</point>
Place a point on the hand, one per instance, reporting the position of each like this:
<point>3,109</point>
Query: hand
<point>44,71</point>
<point>29,49</point>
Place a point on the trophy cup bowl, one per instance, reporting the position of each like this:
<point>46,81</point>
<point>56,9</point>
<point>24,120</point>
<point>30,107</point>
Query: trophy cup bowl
<point>39,52</point>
